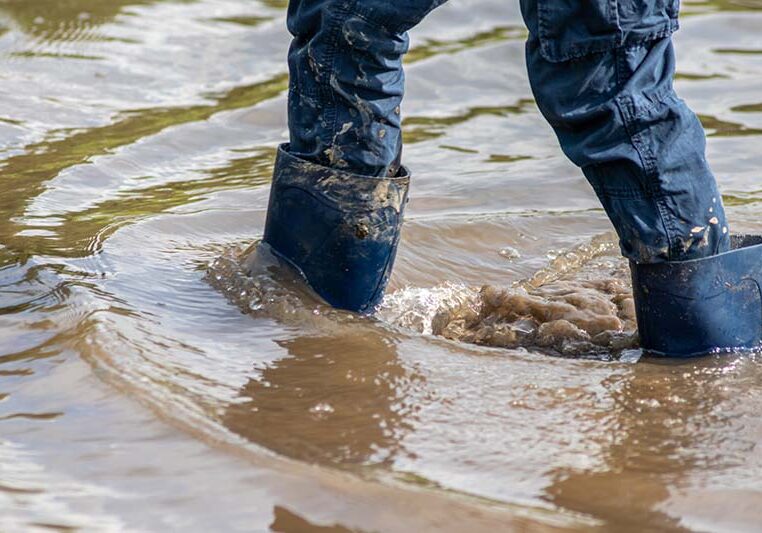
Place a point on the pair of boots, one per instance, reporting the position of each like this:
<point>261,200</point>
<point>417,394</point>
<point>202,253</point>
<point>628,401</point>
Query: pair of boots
<point>341,231</point>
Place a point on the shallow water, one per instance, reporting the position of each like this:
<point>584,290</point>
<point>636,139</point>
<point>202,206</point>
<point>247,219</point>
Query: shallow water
<point>136,139</point>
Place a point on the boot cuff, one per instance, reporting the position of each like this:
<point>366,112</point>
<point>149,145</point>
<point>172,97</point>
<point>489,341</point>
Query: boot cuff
<point>342,188</point>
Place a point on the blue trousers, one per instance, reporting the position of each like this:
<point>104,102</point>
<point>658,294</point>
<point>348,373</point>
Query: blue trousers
<point>601,72</point>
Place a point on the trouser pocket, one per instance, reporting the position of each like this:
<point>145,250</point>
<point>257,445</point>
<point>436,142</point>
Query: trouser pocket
<point>569,29</point>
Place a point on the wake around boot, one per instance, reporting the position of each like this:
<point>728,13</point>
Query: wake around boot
<point>339,230</point>
<point>702,306</point>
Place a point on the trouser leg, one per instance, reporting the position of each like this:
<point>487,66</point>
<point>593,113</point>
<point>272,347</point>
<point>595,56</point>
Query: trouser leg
<point>347,81</point>
<point>602,74</point>
<point>338,194</point>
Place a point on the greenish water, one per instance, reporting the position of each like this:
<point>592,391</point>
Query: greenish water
<point>136,143</point>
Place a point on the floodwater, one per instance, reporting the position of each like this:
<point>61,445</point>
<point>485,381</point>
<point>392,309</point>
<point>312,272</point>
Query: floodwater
<point>136,140</point>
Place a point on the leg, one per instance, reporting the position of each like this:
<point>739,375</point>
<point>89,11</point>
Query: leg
<point>602,75</point>
<point>339,192</point>
<point>347,81</point>
<point>602,71</point>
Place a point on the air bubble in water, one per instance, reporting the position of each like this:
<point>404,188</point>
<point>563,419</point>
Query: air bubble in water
<point>509,253</point>
<point>322,409</point>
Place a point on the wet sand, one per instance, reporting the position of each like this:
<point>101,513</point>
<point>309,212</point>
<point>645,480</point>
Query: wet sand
<point>151,379</point>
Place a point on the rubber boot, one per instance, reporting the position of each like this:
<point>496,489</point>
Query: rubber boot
<point>340,230</point>
<point>703,306</point>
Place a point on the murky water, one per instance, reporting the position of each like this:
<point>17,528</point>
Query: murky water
<point>136,138</point>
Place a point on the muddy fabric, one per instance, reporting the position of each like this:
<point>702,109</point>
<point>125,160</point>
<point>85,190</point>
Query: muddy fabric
<point>602,76</point>
<point>347,82</point>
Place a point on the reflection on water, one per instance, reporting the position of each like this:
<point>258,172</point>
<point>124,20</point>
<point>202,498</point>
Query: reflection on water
<point>150,380</point>
<point>667,422</point>
<point>419,129</point>
<point>344,407</point>
<point>68,20</point>
<point>287,522</point>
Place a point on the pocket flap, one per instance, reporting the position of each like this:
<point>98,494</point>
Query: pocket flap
<point>570,29</point>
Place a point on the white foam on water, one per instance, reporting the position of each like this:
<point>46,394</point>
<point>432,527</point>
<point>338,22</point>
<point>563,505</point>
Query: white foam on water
<point>415,307</point>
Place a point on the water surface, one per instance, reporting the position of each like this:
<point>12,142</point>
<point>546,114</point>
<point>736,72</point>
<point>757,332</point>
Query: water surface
<point>136,144</point>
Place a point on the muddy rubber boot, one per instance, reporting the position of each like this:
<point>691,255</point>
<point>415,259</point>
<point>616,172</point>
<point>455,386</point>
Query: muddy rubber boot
<point>703,306</point>
<point>340,230</point>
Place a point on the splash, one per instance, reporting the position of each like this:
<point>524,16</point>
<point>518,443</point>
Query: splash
<point>570,317</point>
<point>416,307</point>
<point>262,284</point>
<point>580,305</point>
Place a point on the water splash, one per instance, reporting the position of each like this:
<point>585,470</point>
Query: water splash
<point>580,305</point>
<point>569,317</point>
<point>262,284</point>
<point>416,307</point>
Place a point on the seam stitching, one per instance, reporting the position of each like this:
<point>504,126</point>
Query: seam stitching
<point>335,29</point>
<point>650,171</point>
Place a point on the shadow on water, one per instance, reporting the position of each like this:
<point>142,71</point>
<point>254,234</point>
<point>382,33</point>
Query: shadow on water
<point>337,400</point>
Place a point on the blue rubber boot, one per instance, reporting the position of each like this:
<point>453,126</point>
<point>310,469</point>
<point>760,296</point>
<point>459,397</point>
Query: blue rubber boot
<point>703,306</point>
<point>339,229</point>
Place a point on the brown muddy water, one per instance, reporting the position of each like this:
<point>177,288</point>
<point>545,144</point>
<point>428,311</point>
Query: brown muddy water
<point>136,139</point>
